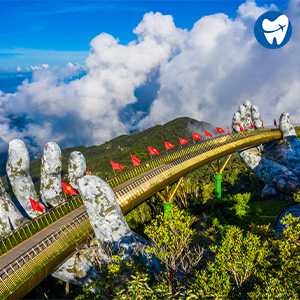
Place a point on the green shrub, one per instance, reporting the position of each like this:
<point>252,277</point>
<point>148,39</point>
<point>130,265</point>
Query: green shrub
<point>173,238</point>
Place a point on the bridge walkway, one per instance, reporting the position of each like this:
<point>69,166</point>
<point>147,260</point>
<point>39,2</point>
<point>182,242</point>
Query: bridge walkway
<point>26,246</point>
<point>28,263</point>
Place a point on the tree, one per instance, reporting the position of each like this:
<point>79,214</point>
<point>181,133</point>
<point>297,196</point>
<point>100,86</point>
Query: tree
<point>278,279</point>
<point>173,239</point>
<point>239,254</point>
<point>234,262</point>
<point>240,207</point>
<point>137,288</point>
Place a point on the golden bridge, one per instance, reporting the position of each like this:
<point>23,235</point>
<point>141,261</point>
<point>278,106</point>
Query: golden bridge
<point>35,250</point>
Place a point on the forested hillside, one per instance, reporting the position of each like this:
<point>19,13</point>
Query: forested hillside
<point>229,249</point>
<point>119,149</point>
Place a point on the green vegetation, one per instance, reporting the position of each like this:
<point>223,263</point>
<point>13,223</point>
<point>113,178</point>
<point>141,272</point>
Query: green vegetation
<point>119,149</point>
<point>233,264</point>
<point>242,257</point>
<point>173,238</point>
<point>207,248</point>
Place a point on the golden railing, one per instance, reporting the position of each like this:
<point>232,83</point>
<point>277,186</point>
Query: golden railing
<point>131,188</point>
<point>32,266</point>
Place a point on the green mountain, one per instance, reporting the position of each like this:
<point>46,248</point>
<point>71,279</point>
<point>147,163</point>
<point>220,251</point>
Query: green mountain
<point>118,149</point>
<point>237,177</point>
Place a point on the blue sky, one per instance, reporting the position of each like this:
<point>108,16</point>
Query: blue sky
<point>82,73</point>
<point>31,32</point>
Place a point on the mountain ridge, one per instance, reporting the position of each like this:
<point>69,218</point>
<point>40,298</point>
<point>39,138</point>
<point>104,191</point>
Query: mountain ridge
<point>119,148</point>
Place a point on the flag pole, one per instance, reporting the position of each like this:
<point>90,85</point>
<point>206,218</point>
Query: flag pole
<point>114,172</point>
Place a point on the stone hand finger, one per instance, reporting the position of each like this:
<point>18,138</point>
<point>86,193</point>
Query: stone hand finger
<point>18,173</point>
<point>285,125</point>
<point>236,120</point>
<point>10,216</point>
<point>245,112</point>
<point>51,165</point>
<point>256,118</point>
<point>105,214</point>
<point>76,168</point>
<point>17,169</point>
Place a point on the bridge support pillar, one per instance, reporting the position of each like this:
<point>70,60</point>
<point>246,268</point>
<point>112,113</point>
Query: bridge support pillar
<point>218,187</point>
<point>168,196</point>
<point>167,207</point>
<point>218,177</point>
<point>67,288</point>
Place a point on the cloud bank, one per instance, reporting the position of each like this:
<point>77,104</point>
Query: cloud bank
<point>204,73</point>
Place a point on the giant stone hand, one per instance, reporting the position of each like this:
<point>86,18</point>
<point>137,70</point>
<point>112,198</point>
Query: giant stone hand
<point>277,164</point>
<point>111,230</point>
<point>105,214</point>
<point>17,211</point>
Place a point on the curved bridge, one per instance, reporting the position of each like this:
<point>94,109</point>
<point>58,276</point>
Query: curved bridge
<point>33,251</point>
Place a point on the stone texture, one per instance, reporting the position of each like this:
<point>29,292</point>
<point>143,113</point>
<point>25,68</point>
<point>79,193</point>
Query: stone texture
<point>111,231</point>
<point>257,122</point>
<point>105,214</point>
<point>276,163</point>
<point>10,217</point>
<point>76,168</point>
<point>286,126</point>
<point>51,164</point>
<point>17,169</point>
<point>85,266</point>
<point>80,268</point>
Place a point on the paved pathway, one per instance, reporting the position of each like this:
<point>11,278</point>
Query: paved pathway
<point>25,246</point>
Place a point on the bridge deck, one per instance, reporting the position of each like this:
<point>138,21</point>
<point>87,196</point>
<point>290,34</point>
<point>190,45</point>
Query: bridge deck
<point>24,247</point>
<point>20,268</point>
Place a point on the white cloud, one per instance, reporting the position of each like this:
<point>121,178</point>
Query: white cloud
<point>204,73</point>
<point>250,10</point>
<point>86,110</point>
<point>222,65</point>
<point>43,66</point>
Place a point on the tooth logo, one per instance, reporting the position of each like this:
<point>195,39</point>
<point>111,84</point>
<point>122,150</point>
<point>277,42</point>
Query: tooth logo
<point>273,29</point>
<point>276,29</point>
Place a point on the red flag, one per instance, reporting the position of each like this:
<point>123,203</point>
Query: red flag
<point>275,123</point>
<point>116,166</point>
<point>197,136</point>
<point>36,206</point>
<point>241,128</point>
<point>228,130</point>
<point>207,133</point>
<point>220,130</point>
<point>89,173</point>
<point>262,123</point>
<point>135,161</point>
<point>67,188</point>
<point>153,151</point>
<point>183,141</point>
<point>252,126</point>
<point>169,145</point>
